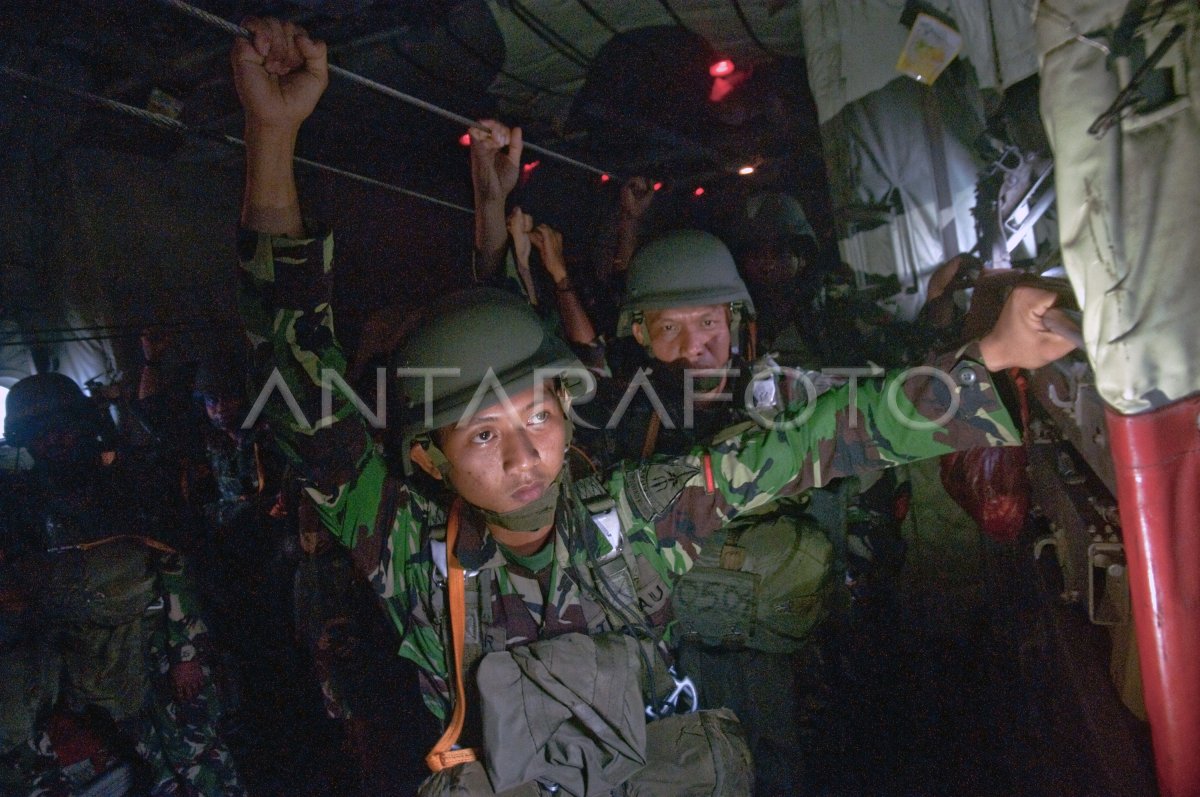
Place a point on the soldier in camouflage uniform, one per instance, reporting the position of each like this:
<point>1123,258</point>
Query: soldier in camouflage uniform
<point>492,468</point>
<point>244,473</point>
<point>117,621</point>
<point>239,488</point>
<point>688,308</point>
<point>776,250</point>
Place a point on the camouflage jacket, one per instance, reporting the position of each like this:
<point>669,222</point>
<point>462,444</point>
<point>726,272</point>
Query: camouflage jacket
<point>186,635</point>
<point>666,507</point>
<point>241,468</point>
<point>618,421</point>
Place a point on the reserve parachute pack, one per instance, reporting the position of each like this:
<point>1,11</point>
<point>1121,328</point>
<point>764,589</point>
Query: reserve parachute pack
<point>568,713</point>
<point>106,599</point>
<point>108,584</point>
<point>764,582</point>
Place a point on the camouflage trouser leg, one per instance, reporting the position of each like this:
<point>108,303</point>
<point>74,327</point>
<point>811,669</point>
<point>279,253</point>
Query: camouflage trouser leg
<point>163,783</point>
<point>194,758</point>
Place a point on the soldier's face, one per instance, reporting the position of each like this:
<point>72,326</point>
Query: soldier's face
<point>59,446</point>
<point>503,457</point>
<point>63,446</point>
<point>772,263</point>
<point>696,337</point>
<point>225,412</point>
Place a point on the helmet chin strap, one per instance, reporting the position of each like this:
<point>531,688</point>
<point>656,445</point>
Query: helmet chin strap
<point>639,320</point>
<point>534,516</point>
<point>735,327</point>
<point>437,458</point>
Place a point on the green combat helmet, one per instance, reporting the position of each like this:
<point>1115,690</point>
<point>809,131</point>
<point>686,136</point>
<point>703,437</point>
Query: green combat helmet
<point>686,268</point>
<point>42,401</point>
<point>773,215</point>
<point>220,374</point>
<point>495,341</point>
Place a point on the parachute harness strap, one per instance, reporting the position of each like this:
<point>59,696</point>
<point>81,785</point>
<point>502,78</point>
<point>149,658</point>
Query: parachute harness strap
<point>443,755</point>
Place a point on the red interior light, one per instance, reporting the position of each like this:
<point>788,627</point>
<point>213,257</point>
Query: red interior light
<point>465,139</point>
<point>604,178</point>
<point>699,190</point>
<point>721,68</point>
<point>657,186</point>
<point>529,167</point>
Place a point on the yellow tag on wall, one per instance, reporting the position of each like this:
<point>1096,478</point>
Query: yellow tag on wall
<point>931,46</point>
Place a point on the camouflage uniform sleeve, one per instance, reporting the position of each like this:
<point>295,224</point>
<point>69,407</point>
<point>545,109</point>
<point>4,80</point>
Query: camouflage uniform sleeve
<point>187,635</point>
<point>284,298</point>
<point>946,405</point>
<point>284,288</point>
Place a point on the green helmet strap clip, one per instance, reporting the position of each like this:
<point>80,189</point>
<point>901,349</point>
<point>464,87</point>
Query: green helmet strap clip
<point>436,456</point>
<point>639,319</point>
<point>735,327</point>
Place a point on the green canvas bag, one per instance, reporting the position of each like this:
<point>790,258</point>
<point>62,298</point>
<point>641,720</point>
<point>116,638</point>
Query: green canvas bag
<point>763,582</point>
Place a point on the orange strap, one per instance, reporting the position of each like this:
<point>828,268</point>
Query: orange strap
<point>442,756</point>
<point>651,439</point>
<point>260,469</point>
<point>1022,383</point>
<point>147,541</point>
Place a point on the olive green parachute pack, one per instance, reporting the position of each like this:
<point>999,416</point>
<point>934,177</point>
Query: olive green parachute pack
<point>565,716</point>
<point>765,582</point>
<point>569,713</point>
<point>104,601</point>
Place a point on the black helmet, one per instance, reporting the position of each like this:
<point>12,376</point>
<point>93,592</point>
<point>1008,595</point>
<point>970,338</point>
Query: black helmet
<point>43,400</point>
<point>476,332</point>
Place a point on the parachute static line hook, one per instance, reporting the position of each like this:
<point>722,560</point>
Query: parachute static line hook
<point>684,692</point>
<point>237,30</point>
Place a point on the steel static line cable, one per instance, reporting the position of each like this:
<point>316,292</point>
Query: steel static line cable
<point>175,125</point>
<point>388,91</point>
<point>594,14</point>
